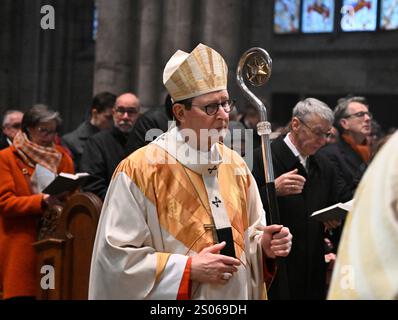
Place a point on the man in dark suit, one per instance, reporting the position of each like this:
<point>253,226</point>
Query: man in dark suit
<point>100,119</point>
<point>305,183</point>
<point>104,150</point>
<point>3,141</point>
<point>351,154</point>
<point>156,119</point>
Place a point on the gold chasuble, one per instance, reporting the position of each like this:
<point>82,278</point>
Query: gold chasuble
<point>158,212</point>
<point>367,259</point>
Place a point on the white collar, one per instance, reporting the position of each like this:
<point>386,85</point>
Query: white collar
<point>296,153</point>
<point>201,162</point>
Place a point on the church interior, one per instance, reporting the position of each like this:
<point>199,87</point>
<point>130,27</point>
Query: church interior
<point>123,45</point>
<point>63,52</point>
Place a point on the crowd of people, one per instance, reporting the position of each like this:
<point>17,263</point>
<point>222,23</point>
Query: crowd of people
<point>184,216</point>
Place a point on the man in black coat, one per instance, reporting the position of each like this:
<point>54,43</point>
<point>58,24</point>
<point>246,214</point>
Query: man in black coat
<point>305,183</point>
<point>155,118</point>
<point>3,141</point>
<point>351,154</point>
<point>100,119</point>
<point>104,150</point>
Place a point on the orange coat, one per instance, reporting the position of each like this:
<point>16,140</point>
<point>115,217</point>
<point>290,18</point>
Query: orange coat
<point>20,211</point>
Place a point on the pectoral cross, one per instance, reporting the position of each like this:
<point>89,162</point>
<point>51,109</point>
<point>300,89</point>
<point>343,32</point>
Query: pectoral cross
<point>216,201</point>
<point>212,169</point>
<point>211,227</point>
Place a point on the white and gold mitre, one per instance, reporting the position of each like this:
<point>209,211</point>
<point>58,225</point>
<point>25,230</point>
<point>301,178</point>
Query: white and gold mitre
<point>188,75</point>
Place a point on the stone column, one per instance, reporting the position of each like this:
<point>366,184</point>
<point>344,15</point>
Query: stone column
<point>149,74</point>
<point>177,26</point>
<point>261,35</point>
<point>176,31</point>
<point>222,30</point>
<point>114,46</point>
<point>261,23</point>
<point>27,50</point>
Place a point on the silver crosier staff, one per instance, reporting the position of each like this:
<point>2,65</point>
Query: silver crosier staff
<point>256,65</point>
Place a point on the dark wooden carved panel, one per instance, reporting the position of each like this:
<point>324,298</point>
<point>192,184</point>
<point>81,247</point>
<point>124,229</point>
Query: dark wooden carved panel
<point>68,248</point>
<point>49,222</point>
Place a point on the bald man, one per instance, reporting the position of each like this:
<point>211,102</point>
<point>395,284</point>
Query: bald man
<point>109,146</point>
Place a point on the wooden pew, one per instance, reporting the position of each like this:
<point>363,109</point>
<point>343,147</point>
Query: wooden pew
<point>65,243</point>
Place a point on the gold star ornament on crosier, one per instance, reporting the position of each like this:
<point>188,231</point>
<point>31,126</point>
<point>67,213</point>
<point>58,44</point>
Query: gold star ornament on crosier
<point>258,71</point>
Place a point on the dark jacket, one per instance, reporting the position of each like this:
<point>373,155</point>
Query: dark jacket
<point>76,139</point>
<point>3,141</point>
<point>346,162</point>
<point>155,118</point>
<point>306,267</point>
<point>102,153</point>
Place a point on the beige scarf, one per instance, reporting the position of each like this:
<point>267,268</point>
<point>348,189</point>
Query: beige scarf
<point>32,153</point>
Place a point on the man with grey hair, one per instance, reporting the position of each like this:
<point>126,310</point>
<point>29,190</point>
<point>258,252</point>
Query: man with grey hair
<point>305,183</point>
<point>11,125</point>
<point>351,154</point>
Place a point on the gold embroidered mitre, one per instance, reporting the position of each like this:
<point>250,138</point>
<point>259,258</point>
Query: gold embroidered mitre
<point>188,75</point>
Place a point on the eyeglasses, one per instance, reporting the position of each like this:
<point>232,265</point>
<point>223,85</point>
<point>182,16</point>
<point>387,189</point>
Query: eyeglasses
<point>46,131</point>
<point>318,132</point>
<point>360,114</point>
<point>212,108</point>
<point>123,110</point>
<point>13,126</point>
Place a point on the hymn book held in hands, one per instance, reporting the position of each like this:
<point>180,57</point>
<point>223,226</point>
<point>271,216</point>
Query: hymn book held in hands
<point>337,211</point>
<point>66,182</point>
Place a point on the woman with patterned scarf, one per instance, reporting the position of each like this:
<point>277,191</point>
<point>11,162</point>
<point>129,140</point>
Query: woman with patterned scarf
<point>20,206</point>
